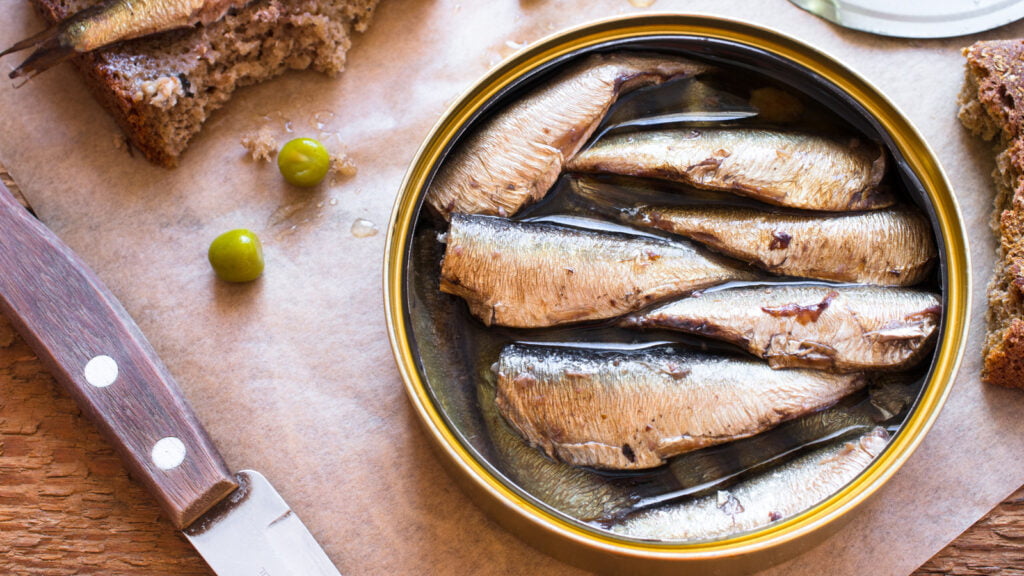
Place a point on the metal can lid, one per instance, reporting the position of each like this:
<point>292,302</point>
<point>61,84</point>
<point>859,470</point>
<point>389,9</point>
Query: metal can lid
<point>936,19</point>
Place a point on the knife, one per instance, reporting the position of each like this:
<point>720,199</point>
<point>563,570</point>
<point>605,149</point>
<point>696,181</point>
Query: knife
<point>88,342</point>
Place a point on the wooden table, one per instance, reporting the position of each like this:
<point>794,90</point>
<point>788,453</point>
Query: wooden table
<point>67,505</point>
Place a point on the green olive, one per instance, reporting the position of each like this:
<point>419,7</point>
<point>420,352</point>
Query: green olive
<point>237,256</point>
<point>303,162</point>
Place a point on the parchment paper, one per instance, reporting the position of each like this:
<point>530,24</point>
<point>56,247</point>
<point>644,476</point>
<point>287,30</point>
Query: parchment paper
<point>293,375</point>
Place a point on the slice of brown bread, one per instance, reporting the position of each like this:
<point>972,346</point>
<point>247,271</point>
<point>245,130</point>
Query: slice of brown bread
<point>992,107</point>
<point>161,89</point>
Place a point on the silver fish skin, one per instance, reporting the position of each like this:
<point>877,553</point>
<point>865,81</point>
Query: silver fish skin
<point>112,21</point>
<point>514,158</point>
<point>755,503</point>
<point>632,410</point>
<point>838,328</point>
<point>782,168</point>
<point>699,472</point>
<point>891,247</point>
<point>580,493</point>
<point>532,274</point>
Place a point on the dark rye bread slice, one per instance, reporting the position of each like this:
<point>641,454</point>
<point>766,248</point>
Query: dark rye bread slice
<point>161,89</point>
<point>992,107</point>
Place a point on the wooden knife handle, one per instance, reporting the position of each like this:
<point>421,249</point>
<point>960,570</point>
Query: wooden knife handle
<point>94,349</point>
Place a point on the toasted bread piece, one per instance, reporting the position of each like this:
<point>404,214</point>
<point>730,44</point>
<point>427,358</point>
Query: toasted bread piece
<point>161,89</point>
<point>992,107</point>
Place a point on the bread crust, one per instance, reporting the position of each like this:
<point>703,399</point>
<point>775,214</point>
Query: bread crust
<point>992,107</point>
<point>1004,363</point>
<point>161,89</point>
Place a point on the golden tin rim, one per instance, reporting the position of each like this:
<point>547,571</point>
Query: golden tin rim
<point>499,498</point>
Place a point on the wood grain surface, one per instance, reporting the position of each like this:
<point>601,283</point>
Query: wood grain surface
<point>69,318</point>
<point>69,507</point>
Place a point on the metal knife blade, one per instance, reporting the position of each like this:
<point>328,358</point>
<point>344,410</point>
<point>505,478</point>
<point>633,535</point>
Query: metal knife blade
<point>254,522</point>
<point>93,348</point>
<point>932,19</point>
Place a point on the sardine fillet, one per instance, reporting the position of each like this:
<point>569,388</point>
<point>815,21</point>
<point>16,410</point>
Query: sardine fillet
<point>892,247</point>
<point>632,410</point>
<point>526,275</point>
<point>110,21</point>
<point>162,89</point>
<point>840,328</point>
<point>117,20</point>
<point>515,157</point>
<point>579,493</point>
<point>783,168</point>
<point>773,496</point>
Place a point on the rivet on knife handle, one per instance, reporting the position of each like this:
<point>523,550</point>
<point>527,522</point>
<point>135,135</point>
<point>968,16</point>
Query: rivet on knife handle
<point>94,349</point>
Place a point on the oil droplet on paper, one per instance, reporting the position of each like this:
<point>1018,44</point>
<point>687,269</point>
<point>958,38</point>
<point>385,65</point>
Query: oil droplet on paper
<point>642,3</point>
<point>505,49</point>
<point>363,228</point>
<point>322,120</point>
<point>510,47</point>
<point>276,118</point>
<point>328,135</point>
<point>291,218</point>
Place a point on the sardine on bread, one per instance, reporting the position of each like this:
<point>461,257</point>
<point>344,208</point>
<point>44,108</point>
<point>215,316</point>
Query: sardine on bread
<point>161,88</point>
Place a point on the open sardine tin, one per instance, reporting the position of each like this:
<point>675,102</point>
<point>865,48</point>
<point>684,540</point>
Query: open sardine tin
<point>445,355</point>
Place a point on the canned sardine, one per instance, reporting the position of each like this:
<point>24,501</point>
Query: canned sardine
<point>675,291</point>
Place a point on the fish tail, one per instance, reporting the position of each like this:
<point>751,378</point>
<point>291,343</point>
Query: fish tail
<point>31,41</point>
<point>49,51</point>
<point>55,44</point>
<point>605,198</point>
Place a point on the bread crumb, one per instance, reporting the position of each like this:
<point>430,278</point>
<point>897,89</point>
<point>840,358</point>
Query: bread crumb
<point>161,93</point>
<point>271,13</point>
<point>261,144</point>
<point>342,166</point>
